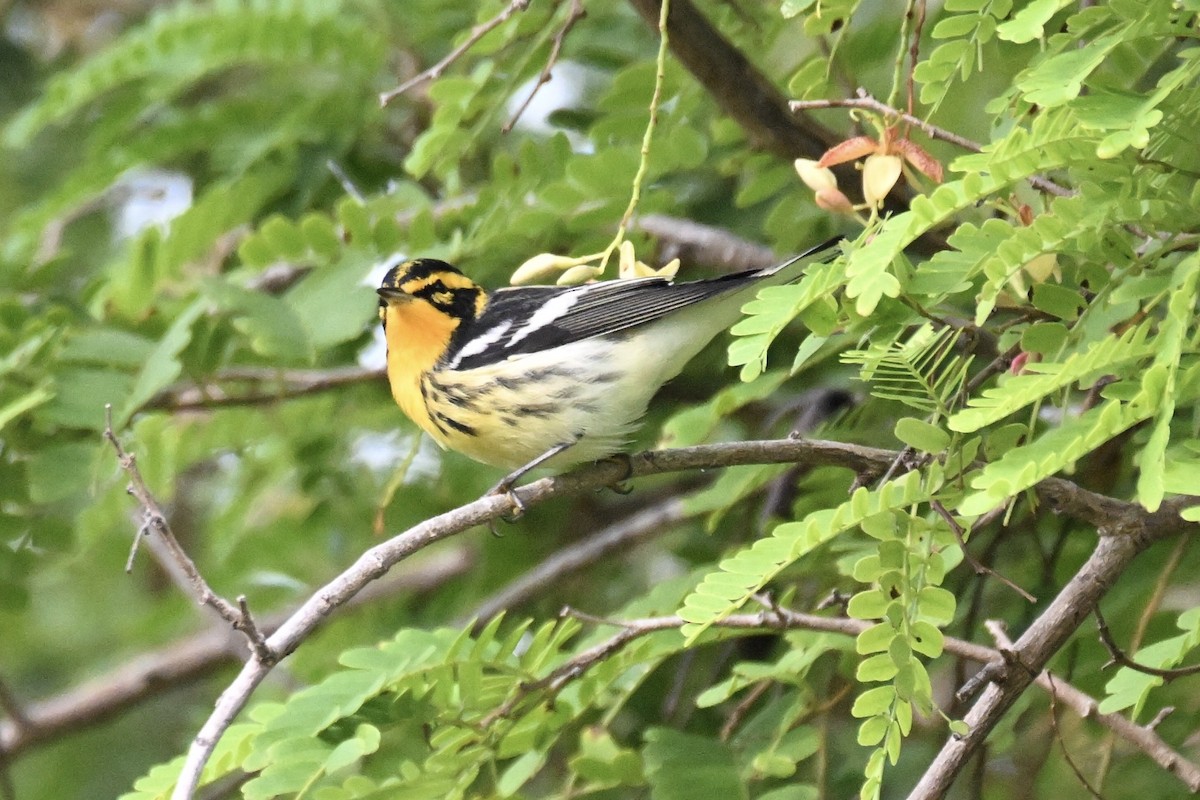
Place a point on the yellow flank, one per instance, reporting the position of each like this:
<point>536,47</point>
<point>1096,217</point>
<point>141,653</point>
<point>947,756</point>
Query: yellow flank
<point>417,335</point>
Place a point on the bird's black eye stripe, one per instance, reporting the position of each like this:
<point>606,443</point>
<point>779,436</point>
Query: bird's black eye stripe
<point>458,302</point>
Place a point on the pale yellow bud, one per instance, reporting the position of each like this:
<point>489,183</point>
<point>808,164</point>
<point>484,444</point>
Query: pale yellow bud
<point>627,265</point>
<point>579,274</point>
<point>815,177</point>
<point>880,173</point>
<point>833,200</point>
<point>541,267</point>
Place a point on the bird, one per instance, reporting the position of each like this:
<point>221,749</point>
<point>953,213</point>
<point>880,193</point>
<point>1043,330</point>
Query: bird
<point>548,376</point>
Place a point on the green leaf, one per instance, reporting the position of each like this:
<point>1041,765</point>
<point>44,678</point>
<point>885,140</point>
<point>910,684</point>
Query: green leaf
<point>162,366</point>
<point>518,773</point>
<point>682,766</point>
<point>1028,23</point>
<point>873,702</point>
<point>921,435</point>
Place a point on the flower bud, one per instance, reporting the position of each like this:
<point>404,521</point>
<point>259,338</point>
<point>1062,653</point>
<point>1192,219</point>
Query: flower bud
<point>541,267</point>
<point>815,177</point>
<point>579,274</point>
<point>880,173</point>
<point>833,200</point>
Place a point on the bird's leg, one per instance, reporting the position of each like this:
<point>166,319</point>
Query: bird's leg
<point>505,486</point>
<point>621,485</point>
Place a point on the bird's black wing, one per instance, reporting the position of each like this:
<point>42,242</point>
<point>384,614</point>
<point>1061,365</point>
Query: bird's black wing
<point>528,319</point>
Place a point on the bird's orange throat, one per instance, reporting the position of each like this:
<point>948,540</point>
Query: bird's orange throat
<point>417,335</point>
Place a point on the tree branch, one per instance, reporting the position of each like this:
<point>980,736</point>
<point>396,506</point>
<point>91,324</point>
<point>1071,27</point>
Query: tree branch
<point>627,533</point>
<point>744,93</point>
<point>1118,656</point>
<point>156,523</point>
<point>182,662</point>
<point>1050,631</point>
<point>477,33</point>
<point>375,562</point>
<point>265,386</point>
<point>574,14</point>
<point>778,618</point>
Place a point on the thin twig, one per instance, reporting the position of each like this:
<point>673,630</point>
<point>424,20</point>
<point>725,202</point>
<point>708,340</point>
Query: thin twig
<point>1062,743</point>
<point>575,14</point>
<point>619,537</point>
<point>1119,657</point>
<point>347,185</point>
<point>477,33</point>
<point>12,707</point>
<point>868,103</point>
<point>217,392</point>
<point>976,565</point>
<point>156,521</point>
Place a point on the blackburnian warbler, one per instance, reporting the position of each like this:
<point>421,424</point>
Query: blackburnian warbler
<point>548,375</point>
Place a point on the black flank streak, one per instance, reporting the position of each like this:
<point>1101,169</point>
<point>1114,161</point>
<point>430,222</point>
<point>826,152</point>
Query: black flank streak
<point>510,383</point>
<point>540,411</point>
<point>453,423</point>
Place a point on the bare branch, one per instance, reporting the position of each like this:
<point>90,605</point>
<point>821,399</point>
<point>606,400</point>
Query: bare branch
<point>263,386</point>
<point>696,243</point>
<point>621,536</point>
<point>778,618</point>
<point>156,522</point>
<point>742,91</point>
<point>186,661</point>
<point>477,33</point>
<point>977,566</point>
<point>1050,631</point>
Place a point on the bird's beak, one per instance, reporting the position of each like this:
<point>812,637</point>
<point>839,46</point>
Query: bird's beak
<point>390,294</point>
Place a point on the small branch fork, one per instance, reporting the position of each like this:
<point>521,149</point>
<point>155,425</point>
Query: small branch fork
<point>477,33</point>
<point>154,522</point>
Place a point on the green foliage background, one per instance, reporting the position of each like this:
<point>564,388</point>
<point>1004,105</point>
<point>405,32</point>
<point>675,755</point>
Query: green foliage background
<point>261,284</point>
